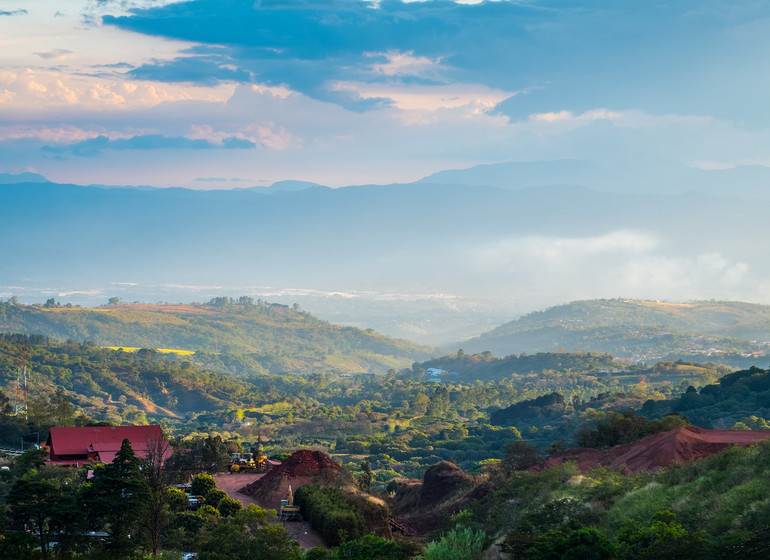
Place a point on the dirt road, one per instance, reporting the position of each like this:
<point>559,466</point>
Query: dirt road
<point>299,531</point>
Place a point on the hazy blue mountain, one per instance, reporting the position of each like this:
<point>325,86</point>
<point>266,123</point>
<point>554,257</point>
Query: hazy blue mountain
<point>287,186</point>
<point>467,254</point>
<point>11,179</point>
<point>520,175</point>
<point>748,181</point>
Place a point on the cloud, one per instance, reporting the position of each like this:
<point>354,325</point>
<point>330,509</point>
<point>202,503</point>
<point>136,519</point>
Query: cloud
<point>621,263</point>
<point>399,63</point>
<point>58,134</point>
<point>39,89</point>
<point>207,71</point>
<point>55,53</point>
<point>12,12</point>
<point>428,98</point>
<point>567,57</point>
<point>557,252</point>
<point>94,146</point>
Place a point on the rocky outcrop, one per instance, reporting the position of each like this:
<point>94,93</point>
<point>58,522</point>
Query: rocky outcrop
<point>441,481</point>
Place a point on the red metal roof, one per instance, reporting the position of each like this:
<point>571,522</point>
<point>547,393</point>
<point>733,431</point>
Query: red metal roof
<point>105,440</point>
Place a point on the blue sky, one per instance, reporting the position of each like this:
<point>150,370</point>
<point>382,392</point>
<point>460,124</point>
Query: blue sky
<point>224,93</point>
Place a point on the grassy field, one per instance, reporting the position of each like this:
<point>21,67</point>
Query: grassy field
<point>162,350</point>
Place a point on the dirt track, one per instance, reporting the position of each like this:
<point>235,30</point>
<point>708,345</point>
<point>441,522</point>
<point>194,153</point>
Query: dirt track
<point>231,483</point>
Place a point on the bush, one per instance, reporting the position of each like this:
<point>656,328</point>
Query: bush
<point>213,497</point>
<point>329,514</point>
<point>462,544</point>
<point>228,507</point>
<point>577,543</point>
<point>202,484</point>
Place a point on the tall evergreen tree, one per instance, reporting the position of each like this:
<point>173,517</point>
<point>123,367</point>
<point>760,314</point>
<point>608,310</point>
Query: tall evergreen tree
<point>117,500</point>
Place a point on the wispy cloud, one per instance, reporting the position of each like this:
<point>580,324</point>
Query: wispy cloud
<point>94,146</point>
<point>13,12</point>
<point>55,53</point>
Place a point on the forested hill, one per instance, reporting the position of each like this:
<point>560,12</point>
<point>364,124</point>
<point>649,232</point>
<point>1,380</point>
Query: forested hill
<point>242,336</point>
<point>727,332</point>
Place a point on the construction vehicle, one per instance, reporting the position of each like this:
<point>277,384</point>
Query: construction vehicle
<point>289,511</point>
<point>249,461</point>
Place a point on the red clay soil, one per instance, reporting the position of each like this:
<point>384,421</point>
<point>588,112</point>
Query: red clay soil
<point>301,532</point>
<point>303,467</point>
<point>659,450</point>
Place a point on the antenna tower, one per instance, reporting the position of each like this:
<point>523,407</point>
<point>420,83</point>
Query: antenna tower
<point>22,361</point>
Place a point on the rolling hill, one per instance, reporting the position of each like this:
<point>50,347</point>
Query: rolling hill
<point>242,337</point>
<point>734,333</point>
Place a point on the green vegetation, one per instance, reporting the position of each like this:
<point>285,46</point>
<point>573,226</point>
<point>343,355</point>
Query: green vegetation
<point>493,416</point>
<point>740,399</point>
<point>330,514</point>
<point>131,509</point>
<point>398,421</point>
<point>457,544</point>
<point>241,337</point>
<point>718,331</point>
<point>617,429</point>
<point>712,508</point>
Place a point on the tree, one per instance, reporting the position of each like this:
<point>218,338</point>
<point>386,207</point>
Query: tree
<point>249,534</point>
<point>228,507</point>
<point>662,539</point>
<point>157,515</point>
<point>369,547</point>
<point>45,501</point>
<point>366,478</point>
<point>202,484</point>
<point>573,543</point>
<point>214,497</point>
<point>117,499</point>
<point>32,503</point>
<point>520,456</point>
<point>199,455</point>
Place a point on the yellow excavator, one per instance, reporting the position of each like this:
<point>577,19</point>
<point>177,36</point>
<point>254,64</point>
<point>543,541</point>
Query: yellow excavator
<point>289,511</point>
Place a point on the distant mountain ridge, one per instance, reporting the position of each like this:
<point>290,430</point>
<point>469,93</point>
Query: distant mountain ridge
<point>747,181</point>
<point>637,329</point>
<point>26,177</point>
<point>471,254</point>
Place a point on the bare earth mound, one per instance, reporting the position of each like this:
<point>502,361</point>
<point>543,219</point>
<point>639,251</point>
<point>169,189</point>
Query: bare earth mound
<point>303,467</point>
<point>659,450</point>
<point>422,507</point>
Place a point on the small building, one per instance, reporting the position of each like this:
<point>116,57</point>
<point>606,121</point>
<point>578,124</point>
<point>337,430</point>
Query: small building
<point>77,446</point>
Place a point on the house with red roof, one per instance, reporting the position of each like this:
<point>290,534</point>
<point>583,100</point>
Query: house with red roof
<point>79,445</point>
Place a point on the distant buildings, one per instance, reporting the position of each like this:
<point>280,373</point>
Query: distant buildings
<point>79,445</point>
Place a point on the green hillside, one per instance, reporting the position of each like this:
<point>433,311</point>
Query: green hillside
<point>240,337</point>
<point>733,333</point>
<point>112,385</point>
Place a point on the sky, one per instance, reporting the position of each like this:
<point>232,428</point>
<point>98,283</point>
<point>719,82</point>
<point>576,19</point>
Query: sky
<point>213,94</point>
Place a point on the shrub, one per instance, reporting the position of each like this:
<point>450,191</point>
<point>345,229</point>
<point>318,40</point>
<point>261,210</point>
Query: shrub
<point>462,544</point>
